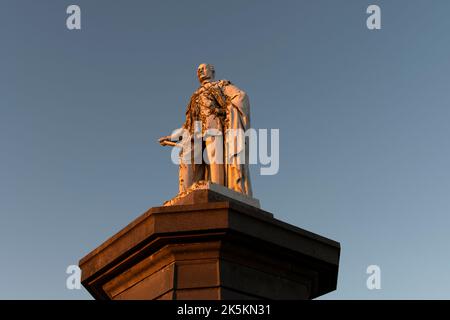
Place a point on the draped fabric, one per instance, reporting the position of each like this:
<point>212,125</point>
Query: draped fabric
<point>236,145</point>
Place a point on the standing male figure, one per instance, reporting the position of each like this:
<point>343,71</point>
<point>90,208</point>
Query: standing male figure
<point>217,106</point>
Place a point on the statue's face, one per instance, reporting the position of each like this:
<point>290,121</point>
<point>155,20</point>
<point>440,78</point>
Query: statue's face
<point>205,72</point>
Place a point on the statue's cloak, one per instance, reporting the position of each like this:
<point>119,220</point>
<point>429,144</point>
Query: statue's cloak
<point>236,144</point>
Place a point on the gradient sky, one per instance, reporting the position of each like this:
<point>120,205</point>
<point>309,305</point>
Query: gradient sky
<point>363,117</point>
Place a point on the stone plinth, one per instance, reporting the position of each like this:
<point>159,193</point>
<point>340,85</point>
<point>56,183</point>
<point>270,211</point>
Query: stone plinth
<point>213,249</point>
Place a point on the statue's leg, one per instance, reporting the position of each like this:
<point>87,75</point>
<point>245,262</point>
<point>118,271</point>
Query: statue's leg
<point>190,172</point>
<point>186,169</point>
<point>234,178</point>
<point>214,159</point>
<point>185,176</point>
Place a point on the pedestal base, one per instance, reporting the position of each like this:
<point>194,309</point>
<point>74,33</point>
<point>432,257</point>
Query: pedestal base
<point>211,250</point>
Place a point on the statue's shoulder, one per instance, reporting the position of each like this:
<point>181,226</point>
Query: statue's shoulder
<point>223,83</point>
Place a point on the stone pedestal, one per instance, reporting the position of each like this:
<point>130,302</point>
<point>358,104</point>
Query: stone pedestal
<point>217,248</point>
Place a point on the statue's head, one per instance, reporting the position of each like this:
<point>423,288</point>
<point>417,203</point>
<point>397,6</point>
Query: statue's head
<point>205,73</point>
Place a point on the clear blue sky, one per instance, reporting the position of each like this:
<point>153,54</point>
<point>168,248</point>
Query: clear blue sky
<point>363,118</point>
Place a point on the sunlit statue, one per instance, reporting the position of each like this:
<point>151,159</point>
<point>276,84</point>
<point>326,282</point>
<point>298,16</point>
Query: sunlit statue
<point>217,115</point>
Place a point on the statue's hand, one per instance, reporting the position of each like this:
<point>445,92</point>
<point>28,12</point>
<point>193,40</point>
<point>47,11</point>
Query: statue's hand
<point>164,140</point>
